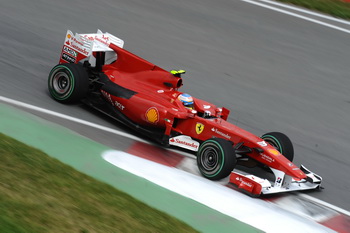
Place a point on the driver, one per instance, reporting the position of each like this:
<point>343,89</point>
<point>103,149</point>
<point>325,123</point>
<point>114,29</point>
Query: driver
<point>186,100</point>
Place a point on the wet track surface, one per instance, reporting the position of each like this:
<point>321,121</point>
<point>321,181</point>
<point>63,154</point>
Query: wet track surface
<point>275,72</point>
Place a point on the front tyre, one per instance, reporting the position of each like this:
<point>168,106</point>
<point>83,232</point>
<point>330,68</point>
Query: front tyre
<point>68,83</point>
<point>216,158</point>
<point>281,142</point>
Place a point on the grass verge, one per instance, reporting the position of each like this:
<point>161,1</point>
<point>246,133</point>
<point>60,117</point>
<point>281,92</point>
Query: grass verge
<point>336,8</point>
<point>41,194</point>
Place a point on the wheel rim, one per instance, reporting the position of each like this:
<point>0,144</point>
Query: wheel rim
<point>61,84</point>
<point>210,160</point>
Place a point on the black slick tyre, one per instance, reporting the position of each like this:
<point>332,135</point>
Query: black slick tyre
<point>216,158</point>
<point>281,142</point>
<point>68,83</point>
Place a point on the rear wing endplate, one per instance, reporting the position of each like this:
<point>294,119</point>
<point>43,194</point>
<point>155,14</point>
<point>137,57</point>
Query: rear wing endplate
<point>80,47</point>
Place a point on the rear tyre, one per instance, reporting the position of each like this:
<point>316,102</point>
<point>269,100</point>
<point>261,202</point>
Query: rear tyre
<point>281,142</point>
<point>216,158</point>
<point>68,83</point>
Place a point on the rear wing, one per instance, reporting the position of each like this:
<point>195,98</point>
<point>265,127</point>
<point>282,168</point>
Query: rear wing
<point>81,47</point>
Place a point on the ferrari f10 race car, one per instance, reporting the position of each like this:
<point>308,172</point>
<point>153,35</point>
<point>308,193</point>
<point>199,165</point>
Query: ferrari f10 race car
<point>95,69</point>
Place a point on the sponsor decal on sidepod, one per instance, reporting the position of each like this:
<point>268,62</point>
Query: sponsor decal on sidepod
<point>109,98</point>
<point>178,141</point>
<point>221,133</point>
<point>184,142</point>
<point>152,115</point>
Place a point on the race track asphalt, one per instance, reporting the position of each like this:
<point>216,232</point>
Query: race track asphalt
<point>275,72</point>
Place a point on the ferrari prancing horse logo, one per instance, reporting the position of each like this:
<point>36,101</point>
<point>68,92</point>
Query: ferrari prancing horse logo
<point>199,128</point>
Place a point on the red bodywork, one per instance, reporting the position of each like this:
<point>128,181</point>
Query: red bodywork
<point>155,104</point>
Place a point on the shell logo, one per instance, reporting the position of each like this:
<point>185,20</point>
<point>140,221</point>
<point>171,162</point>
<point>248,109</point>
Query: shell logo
<point>69,36</point>
<point>152,115</point>
<point>274,152</point>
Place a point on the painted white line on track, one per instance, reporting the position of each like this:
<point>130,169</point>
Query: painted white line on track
<point>306,11</point>
<point>297,16</point>
<point>120,133</point>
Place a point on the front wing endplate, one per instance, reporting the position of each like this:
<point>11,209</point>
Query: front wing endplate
<point>255,186</point>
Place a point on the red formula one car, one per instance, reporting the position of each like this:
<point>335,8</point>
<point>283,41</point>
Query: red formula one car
<point>95,69</point>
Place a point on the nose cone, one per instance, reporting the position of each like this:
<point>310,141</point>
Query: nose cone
<point>283,164</point>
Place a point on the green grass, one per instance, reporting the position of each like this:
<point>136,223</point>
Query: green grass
<point>336,8</point>
<point>41,194</point>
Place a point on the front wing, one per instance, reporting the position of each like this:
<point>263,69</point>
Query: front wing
<point>255,186</point>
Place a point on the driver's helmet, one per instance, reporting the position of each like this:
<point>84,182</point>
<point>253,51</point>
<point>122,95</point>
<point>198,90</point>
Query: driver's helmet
<point>187,100</point>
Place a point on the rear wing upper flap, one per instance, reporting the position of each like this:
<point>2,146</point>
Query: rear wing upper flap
<point>78,47</point>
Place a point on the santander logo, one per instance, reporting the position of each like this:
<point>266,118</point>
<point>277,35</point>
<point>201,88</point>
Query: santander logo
<point>225,135</point>
<point>178,141</point>
<point>184,142</point>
